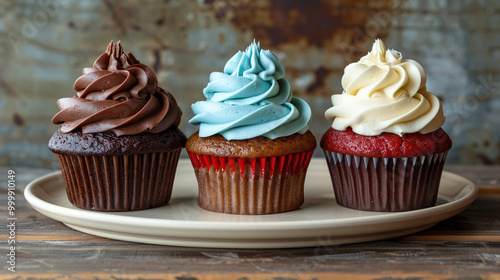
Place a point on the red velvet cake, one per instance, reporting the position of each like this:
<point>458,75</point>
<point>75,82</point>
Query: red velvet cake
<point>386,145</point>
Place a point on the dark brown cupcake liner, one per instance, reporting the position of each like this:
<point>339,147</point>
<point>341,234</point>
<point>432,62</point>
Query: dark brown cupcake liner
<point>385,184</point>
<point>119,183</point>
<point>251,186</point>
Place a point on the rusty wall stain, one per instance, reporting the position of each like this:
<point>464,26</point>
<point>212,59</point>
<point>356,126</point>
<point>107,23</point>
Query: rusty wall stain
<point>283,22</point>
<point>279,22</point>
<point>319,82</point>
<point>17,119</point>
<point>7,88</point>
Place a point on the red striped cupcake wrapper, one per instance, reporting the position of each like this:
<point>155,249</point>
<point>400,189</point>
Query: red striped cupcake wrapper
<point>119,183</point>
<point>251,186</point>
<point>385,184</point>
<point>267,165</point>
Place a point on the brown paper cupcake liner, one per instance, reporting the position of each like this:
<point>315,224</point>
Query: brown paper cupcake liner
<point>119,183</point>
<point>385,184</point>
<point>252,186</point>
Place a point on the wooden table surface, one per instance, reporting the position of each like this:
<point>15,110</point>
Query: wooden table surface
<point>466,246</point>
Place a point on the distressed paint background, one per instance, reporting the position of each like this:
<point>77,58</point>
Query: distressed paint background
<point>44,44</point>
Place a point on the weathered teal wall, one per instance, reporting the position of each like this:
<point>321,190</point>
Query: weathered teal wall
<point>44,44</point>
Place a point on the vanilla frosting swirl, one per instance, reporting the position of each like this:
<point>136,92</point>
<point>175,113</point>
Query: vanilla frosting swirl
<point>385,93</point>
<point>251,98</point>
<point>118,94</point>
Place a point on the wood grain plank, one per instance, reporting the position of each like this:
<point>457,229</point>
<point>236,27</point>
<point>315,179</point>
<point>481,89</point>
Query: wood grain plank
<point>390,256</point>
<point>257,276</point>
<point>465,238</point>
<point>489,190</point>
<point>481,175</point>
<point>61,238</point>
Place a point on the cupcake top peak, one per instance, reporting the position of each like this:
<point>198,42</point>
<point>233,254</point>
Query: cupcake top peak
<point>384,73</point>
<point>114,58</point>
<point>254,61</point>
<point>117,94</point>
<point>114,73</point>
<point>250,98</point>
<point>249,77</point>
<point>379,55</point>
<point>385,93</point>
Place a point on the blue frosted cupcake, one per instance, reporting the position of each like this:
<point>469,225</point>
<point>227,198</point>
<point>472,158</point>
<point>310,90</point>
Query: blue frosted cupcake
<point>253,147</point>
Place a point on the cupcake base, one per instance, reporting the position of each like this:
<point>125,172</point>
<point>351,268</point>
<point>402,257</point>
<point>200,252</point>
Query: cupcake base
<point>385,184</point>
<point>251,186</point>
<point>119,183</point>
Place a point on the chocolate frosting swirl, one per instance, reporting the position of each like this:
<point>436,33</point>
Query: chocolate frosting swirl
<point>118,94</point>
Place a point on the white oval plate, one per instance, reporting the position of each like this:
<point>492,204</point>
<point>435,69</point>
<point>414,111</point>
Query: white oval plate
<point>319,222</point>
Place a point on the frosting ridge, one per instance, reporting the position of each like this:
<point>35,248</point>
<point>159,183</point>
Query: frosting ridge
<point>118,94</point>
<point>250,98</point>
<point>385,93</point>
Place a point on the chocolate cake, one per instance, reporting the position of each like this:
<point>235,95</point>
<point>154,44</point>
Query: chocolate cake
<point>257,147</point>
<point>107,144</point>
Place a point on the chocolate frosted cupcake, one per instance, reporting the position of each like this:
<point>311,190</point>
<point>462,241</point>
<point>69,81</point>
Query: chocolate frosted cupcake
<point>386,149</point>
<point>118,144</point>
<point>253,147</point>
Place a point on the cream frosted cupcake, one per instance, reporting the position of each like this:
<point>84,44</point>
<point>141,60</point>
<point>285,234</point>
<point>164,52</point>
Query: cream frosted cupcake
<point>253,147</point>
<point>386,148</point>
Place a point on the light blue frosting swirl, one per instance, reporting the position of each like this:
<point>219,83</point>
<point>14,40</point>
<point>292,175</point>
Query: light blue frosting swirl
<point>249,99</point>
